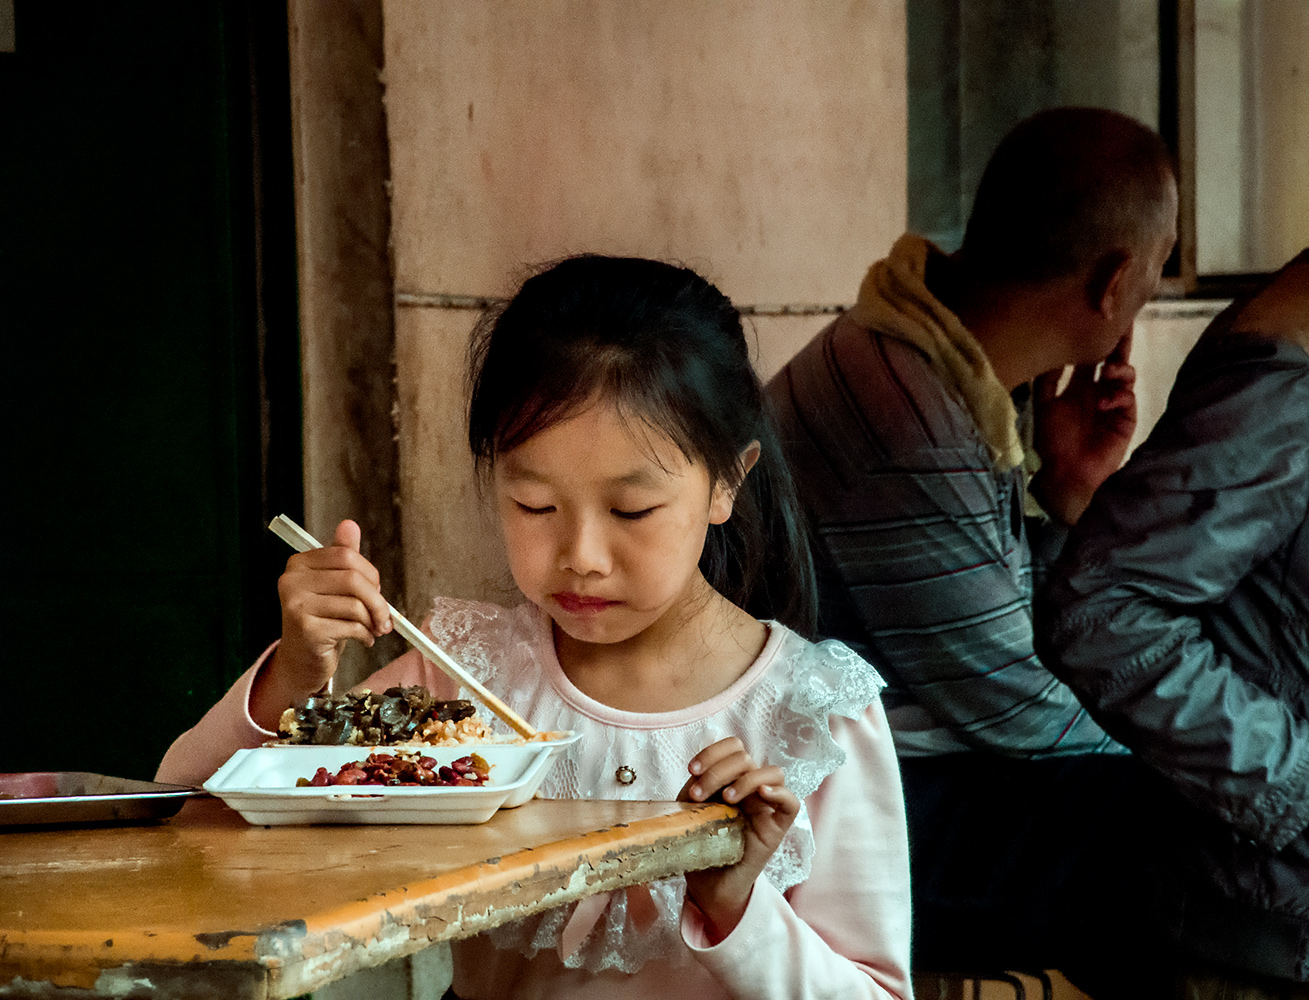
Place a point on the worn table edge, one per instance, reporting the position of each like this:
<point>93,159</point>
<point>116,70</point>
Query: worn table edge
<point>298,956</point>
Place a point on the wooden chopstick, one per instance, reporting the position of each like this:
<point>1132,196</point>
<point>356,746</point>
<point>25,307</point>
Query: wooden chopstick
<point>300,540</point>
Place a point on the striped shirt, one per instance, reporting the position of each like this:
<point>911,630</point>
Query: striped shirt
<point>924,561</point>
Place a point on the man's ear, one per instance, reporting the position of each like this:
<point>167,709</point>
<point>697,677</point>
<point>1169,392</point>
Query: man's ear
<point>724,494</point>
<point>1107,283</point>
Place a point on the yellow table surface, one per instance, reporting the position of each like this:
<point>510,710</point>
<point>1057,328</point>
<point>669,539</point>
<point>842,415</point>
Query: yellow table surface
<point>206,905</point>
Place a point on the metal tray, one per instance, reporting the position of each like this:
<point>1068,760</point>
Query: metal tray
<point>41,798</point>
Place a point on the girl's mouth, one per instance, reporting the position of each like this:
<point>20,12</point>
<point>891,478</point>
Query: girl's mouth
<point>579,604</point>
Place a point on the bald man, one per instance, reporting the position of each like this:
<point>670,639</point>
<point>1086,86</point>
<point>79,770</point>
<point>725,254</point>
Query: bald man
<point>901,423</point>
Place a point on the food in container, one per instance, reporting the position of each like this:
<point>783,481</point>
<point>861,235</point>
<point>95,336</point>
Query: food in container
<point>399,716</point>
<point>261,784</point>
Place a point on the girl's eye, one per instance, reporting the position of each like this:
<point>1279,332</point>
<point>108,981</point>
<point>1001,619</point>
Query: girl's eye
<point>632,515</point>
<point>534,510</point>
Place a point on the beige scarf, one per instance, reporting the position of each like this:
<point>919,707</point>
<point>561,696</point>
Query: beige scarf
<point>894,301</point>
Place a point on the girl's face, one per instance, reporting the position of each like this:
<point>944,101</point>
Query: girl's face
<point>604,524</point>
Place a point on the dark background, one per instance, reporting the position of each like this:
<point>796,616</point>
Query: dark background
<point>147,298</point>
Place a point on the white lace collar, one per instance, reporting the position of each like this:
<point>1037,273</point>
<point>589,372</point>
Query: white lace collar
<point>780,707</point>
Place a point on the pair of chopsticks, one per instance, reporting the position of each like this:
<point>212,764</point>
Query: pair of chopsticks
<point>300,540</point>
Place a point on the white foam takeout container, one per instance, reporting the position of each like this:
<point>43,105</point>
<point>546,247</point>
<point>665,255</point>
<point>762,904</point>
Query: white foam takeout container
<point>260,784</point>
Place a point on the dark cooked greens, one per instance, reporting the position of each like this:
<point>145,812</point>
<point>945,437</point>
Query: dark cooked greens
<point>366,718</point>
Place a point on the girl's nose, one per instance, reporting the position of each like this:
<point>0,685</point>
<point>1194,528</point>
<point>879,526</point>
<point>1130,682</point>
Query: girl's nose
<point>583,549</point>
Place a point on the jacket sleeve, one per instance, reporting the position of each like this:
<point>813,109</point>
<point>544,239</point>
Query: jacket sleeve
<point>843,933</point>
<point>1151,614</point>
<point>923,561</point>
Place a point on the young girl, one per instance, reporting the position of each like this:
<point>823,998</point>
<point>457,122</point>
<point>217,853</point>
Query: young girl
<point>644,503</point>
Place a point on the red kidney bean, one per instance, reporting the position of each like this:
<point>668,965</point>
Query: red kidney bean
<point>389,769</point>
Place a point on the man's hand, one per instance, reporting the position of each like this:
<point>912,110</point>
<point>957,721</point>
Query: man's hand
<point>1082,434</point>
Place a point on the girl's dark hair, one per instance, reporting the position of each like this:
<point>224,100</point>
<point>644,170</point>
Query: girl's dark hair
<point>668,349</point>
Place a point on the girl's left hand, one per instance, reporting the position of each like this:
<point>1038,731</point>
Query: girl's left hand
<point>726,770</point>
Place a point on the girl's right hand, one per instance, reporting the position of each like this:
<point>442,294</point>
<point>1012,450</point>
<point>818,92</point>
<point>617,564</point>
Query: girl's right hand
<point>328,595</point>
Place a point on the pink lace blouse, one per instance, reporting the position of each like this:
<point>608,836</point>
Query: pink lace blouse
<point>830,917</point>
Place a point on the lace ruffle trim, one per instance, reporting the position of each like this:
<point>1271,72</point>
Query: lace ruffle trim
<point>641,924</point>
<point>823,679</point>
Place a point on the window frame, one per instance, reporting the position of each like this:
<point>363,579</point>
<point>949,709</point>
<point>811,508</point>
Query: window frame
<point>1177,126</point>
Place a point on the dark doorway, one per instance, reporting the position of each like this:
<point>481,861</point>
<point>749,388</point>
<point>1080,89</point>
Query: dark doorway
<point>152,390</point>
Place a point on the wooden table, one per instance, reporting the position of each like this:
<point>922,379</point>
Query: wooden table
<point>207,906</point>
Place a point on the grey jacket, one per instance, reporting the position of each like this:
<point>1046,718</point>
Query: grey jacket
<point>1179,613</point>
